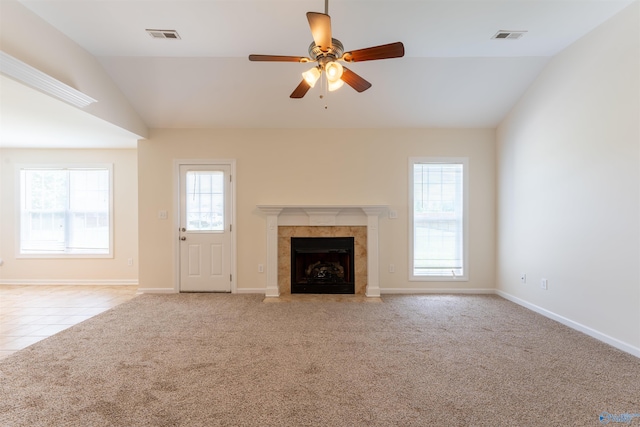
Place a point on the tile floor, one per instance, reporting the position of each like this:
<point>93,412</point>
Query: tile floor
<point>29,314</point>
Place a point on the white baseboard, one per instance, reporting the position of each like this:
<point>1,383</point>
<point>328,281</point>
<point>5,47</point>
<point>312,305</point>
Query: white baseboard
<point>250,291</point>
<point>173,291</point>
<point>614,342</point>
<point>74,282</point>
<point>157,291</point>
<point>389,291</point>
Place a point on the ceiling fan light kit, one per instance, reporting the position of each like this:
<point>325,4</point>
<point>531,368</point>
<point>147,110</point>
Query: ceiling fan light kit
<point>334,71</point>
<point>335,85</point>
<point>327,51</point>
<point>311,76</point>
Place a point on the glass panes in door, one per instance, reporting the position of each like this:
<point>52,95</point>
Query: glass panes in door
<point>205,201</point>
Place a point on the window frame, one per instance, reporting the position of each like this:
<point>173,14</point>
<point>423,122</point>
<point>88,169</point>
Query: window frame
<point>18,210</point>
<point>464,161</point>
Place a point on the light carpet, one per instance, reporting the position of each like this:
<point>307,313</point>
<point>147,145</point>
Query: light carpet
<point>232,360</point>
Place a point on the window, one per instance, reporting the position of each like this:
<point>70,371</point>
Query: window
<point>65,211</point>
<point>438,244</point>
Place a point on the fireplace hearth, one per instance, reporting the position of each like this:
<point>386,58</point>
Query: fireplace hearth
<point>322,265</point>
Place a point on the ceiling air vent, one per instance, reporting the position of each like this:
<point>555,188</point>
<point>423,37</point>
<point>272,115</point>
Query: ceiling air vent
<point>163,34</point>
<point>508,35</point>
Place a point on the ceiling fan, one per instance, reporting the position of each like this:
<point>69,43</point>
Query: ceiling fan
<point>327,51</point>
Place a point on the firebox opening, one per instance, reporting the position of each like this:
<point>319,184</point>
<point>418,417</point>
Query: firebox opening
<point>322,265</point>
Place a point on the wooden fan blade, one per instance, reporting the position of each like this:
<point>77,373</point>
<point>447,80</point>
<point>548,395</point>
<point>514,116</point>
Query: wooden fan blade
<point>354,80</point>
<point>278,58</point>
<point>301,90</point>
<point>385,51</point>
<point>320,24</point>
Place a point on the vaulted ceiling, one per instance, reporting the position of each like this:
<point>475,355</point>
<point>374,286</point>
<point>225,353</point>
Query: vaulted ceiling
<point>453,73</point>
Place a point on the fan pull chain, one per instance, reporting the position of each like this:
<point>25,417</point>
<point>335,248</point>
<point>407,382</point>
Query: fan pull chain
<point>325,90</point>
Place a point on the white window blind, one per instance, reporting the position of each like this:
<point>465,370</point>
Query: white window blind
<point>438,222</point>
<point>205,200</point>
<point>65,211</point>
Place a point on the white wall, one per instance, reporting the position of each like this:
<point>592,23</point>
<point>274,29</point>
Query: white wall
<point>72,271</point>
<point>27,37</point>
<point>345,167</point>
<point>569,187</point>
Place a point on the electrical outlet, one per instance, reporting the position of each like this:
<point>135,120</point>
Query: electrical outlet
<point>130,261</point>
<point>523,278</point>
<point>544,284</point>
<point>392,268</point>
<point>260,268</point>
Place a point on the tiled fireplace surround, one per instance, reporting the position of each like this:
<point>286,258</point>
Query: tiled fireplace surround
<point>285,221</point>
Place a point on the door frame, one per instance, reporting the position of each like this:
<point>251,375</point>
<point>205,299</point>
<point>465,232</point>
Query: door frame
<point>176,216</point>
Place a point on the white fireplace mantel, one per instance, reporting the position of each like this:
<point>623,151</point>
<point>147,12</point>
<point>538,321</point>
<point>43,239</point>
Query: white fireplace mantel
<point>323,215</point>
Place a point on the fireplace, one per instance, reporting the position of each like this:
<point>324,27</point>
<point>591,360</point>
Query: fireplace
<point>322,265</point>
<point>319,218</point>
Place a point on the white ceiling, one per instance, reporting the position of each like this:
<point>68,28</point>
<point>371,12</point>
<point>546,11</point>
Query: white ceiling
<point>452,75</point>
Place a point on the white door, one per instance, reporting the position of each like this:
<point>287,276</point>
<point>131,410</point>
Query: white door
<point>205,228</point>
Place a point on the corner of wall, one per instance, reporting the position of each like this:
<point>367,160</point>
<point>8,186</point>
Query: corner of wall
<point>27,37</point>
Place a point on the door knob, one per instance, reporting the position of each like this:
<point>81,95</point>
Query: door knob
<point>183,238</point>
<point>183,229</point>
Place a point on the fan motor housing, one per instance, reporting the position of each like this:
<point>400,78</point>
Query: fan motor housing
<point>334,52</point>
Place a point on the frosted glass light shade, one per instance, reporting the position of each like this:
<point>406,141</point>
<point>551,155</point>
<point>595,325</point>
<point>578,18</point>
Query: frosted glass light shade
<point>334,71</point>
<point>334,85</point>
<point>311,76</point>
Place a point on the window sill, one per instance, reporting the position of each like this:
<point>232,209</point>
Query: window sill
<point>438,279</point>
<point>64,256</point>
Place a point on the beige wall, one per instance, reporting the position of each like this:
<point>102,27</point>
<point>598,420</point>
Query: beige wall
<point>312,167</point>
<point>569,187</point>
<point>85,271</point>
